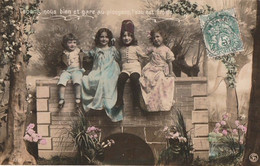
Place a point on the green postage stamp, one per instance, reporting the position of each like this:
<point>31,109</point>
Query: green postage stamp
<point>221,33</point>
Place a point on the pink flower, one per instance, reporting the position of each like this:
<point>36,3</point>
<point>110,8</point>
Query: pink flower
<point>237,122</point>
<point>112,141</point>
<point>244,129</point>
<point>30,131</point>
<point>241,141</point>
<point>225,116</point>
<point>35,137</point>
<point>95,135</point>
<point>216,130</point>
<point>27,138</point>
<point>224,132</point>
<point>218,125</point>
<point>235,131</point>
<point>43,141</point>
<point>176,135</point>
<point>223,123</point>
<point>165,128</point>
<point>240,127</point>
<point>31,126</point>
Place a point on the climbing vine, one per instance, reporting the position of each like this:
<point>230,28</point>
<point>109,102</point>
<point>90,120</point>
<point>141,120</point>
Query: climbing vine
<point>184,7</point>
<point>11,46</point>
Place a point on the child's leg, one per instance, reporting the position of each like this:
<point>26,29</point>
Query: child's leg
<point>76,78</point>
<point>61,95</point>
<point>120,88</point>
<point>77,93</point>
<point>65,76</point>
<point>135,86</point>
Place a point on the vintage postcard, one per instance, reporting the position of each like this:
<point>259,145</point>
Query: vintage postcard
<point>140,82</point>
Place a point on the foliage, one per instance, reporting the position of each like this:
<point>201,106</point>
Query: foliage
<point>230,63</point>
<point>227,142</point>
<point>179,145</point>
<point>87,139</point>
<point>32,136</point>
<point>183,7</point>
<point>10,26</point>
<point>51,29</point>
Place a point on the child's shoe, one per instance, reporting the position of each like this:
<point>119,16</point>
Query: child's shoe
<point>77,101</point>
<point>61,103</point>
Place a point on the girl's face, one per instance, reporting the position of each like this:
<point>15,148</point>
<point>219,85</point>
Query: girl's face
<point>127,38</point>
<point>71,45</point>
<point>103,39</point>
<point>157,39</point>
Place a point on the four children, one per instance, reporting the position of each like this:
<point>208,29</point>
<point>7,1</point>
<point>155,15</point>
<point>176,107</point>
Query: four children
<point>103,87</point>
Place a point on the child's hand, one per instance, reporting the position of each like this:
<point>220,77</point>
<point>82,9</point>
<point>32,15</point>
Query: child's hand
<point>57,77</point>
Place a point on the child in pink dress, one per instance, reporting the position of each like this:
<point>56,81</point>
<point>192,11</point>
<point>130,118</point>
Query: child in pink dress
<point>157,80</point>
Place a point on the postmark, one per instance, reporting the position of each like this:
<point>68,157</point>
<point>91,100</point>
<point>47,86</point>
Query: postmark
<point>221,33</point>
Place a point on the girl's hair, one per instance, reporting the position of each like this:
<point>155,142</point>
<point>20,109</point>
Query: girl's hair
<point>68,37</point>
<point>109,35</point>
<point>161,32</point>
<point>133,42</point>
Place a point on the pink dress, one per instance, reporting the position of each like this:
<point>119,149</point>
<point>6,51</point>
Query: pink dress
<point>157,89</point>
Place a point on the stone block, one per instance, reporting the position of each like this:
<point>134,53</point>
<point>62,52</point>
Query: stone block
<point>48,154</point>
<point>43,117</point>
<point>200,116</point>
<point>201,130</point>
<point>199,90</point>
<point>200,143</point>
<point>48,145</point>
<point>42,105</point>
<point>154,134</point>
<point>43,130</point>
<point>200,103</point>
<point>42,92</point>
<point>138,131</point>
<point>201,154</point>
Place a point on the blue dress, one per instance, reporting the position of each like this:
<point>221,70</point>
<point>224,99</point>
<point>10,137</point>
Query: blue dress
<point>99,86</point>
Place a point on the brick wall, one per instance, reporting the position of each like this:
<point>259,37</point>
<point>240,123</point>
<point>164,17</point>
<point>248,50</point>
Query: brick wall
<point>190,97</point>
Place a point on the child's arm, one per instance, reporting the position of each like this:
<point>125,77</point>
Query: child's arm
<point>140,53</point>
<point>87,61</point>
<point>171,74</point>
<point>169,59</point>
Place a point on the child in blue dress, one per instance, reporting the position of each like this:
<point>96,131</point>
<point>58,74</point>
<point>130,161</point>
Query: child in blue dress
<point>131,67</point>
<point>70,67</point>
<point>99,86</point>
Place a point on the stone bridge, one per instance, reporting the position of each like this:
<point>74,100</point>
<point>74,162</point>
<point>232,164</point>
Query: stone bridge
<point>138,136</point>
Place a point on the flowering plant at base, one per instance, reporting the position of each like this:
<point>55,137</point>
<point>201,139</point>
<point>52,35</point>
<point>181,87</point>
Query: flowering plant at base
<point>32,136</point>
<point>179,148</point>
<point>226,140</point>
<point>87,140</point>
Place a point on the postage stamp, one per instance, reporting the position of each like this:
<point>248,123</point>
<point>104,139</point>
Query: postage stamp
<point>221,33</point>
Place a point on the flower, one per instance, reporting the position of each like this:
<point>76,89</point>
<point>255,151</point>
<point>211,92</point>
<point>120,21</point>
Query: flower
<point>237,122</point>
<point>241,141</point>
<point>182,139</point>
<point>30,131</point>
<point>27,138</point>
<point>224,132</point>
<point>216,130</point>
<point>165,128</point>
<point>218,125</point>
<point>43,142</point>
<point>244,129</point>
<point>225,116</point>
<point>235,131</point>
<point>223,123</point>
<point>31,126</point>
